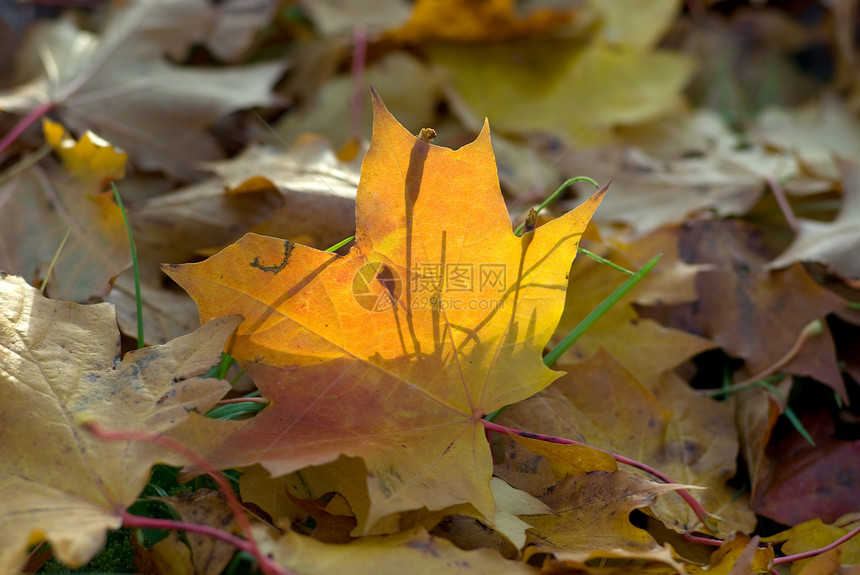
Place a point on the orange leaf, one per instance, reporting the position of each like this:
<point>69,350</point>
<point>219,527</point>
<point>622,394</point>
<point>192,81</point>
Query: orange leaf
<point>392,353</point>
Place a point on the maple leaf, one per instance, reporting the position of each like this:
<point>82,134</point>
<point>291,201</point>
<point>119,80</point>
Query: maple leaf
<point>387,555</point>
<point>437,316</point>
<point>664,424</point>
<point>121,85</point>
<point>43,203</point>
<point>311,180</point>
<point>753,313</point>
<point>832,243</point>
<point>591,518</point>
<point>58,363</point>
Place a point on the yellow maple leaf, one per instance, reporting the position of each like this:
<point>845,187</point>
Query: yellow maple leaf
<point>393,353</point>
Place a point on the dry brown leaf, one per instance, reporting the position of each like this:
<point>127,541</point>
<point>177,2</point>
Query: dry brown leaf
<point>58,367</point>
<point>205,507</point>
<point>753,313</point>
<point>120,85</point>
<point>45,201</point>
<point>835,243</point>
<point>665,425</point>
<point>413,551</point>
<point>317,189</point>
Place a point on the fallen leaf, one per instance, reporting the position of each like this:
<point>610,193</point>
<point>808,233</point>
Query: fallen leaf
<point>317,189</point>
<point>192,220</point>
<point>44,202</point>
<point>817,134</point>
<point>369,355</point>
<point>491,20</point>
<point>409,551</point>
<point>609,85</point>
<point>591,516</point>
<point>166,314</point>
<point>820,481</point>
<point>665,425</point>
<point>642,345</point>
<point>753,313</point>
<point>120,85</point>
<point>170,556</point>
<point>58,366</point>
<point>236,25</point>
<point>815,534</point>
<point>205,507</point>
<point>833,243</point>
<point>412,89</point>
<point>334,18</point>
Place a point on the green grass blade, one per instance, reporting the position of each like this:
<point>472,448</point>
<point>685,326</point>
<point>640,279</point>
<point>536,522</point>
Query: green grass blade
<point>340,244</point>
<point>605,261</point>
<point>599,311</point>
<point>235,410</point>
<point>134,264</point>
<point>546,202</point>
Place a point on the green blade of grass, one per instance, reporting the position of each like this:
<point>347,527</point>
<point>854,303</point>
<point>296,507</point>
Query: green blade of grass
<point>235,410</point>
<point>340,244</point>
<point>605,261</point>
<point>135,266</point>
<point>546,202</point>
<point>599,311</point>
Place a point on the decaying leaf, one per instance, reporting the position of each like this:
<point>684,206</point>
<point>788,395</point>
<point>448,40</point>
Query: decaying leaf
<point>392,353</point>
<point>689,438</point>
<point>388,555</point>
<point>317,189</point>
<point>59,367</point>
<point>591,516</point>
<point>753,313</point>
<point>41,204</point>
<point>120,85</point>
<point>832,243</point>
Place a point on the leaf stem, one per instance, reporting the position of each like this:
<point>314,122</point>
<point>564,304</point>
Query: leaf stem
<point>229,495</point>
<point>797,557</point>
<point>707,518</point>
<point>136,521</point>
<point>598,311</point>
<point>813,328</point>
<point>25,123</point>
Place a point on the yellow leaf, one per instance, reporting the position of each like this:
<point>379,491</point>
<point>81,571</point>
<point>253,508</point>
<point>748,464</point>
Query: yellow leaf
<point>437,316</point>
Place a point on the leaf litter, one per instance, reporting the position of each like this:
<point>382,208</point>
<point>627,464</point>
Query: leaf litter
<point>376,374</point>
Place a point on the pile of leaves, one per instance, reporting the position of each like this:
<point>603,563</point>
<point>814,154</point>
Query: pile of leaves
<point>442,391</point>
